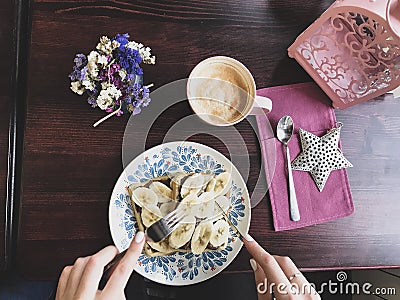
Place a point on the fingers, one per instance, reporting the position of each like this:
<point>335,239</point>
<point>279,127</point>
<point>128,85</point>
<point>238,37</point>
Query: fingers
<point>124,269</point>
<point>62,282</point>
<point>296,278</point>
<point>70,278</point>
<point>93,271</point>
<point>268,263</point>
<point>76,274</point>
<point>289,268</point>
<point>263,292</point>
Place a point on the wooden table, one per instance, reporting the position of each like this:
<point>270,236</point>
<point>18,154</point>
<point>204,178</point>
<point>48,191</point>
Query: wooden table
<point>69,167</point>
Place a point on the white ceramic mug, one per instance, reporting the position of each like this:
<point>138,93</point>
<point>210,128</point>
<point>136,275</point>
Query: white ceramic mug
<point>222,91</point>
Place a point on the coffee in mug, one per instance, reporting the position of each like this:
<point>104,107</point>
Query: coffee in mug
<point>222,91</point>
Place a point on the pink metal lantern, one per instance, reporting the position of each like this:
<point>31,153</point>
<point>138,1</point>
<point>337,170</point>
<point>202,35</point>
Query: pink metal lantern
<point>353,50</point>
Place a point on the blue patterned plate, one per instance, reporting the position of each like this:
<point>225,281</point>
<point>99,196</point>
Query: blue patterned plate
<point>181,268</point>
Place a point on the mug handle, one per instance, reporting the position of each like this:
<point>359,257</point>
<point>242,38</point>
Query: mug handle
<point>261,103</point>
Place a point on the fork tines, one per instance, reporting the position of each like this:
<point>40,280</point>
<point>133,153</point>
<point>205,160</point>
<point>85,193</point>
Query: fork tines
<point>163,227</point>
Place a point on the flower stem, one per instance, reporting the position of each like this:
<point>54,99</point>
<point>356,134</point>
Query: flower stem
<point>107,116</point>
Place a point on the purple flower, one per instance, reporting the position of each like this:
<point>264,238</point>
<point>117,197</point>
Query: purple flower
<point>80,60</point>
<point>115,67</point>
<point>146,102</point>
<point>136,111</point>
<point>130,77</point>
<point>127,99</point>
<point>122,39</point>
<point>137,103</point>
<point>92,101</point>
<point>74,75</point>
<point>129,59</point>
<point>83,73</point>
<point>139,71</point>
<point>112,75</point>
<point>78,74</point>
<point>79,69</point>
<point>135,90</point>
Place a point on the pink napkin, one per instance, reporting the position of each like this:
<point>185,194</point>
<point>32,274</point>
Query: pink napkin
<point>311,110</point>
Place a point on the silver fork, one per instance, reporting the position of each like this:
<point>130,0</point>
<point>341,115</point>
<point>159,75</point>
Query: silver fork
<point>164,227</point>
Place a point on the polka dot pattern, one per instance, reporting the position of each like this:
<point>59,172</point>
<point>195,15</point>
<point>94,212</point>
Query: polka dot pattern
<point>321,155</point>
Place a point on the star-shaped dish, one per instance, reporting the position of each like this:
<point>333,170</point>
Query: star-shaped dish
<point>321,155</point>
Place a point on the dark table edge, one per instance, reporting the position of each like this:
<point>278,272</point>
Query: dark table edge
<point>20,50</point>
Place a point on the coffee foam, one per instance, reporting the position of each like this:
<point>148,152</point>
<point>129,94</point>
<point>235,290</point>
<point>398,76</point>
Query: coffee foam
<point>219,92</point>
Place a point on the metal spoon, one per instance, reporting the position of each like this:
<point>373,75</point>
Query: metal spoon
<point>284,132</point>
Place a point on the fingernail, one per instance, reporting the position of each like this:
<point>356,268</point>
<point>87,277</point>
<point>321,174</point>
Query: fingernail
<point>248,237</point>
<point>139,236</point>
<point>253,264</point>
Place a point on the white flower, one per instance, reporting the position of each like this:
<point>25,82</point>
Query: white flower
<point>92,57</point>
<point>134,45</point>
<point>88,84</point>
<point>144,52</point>
<point>150,60</point>
<point>115,45</point>
<point>77,88</point>
<point>105,45</point>
<point>104,85</point>
<point>104,100</point>
<point>93,70</point>
<point>116,93</point>
<point>122,74</point>
<point>104,39</point>
<point>102,59</point>
<point>107,95</point>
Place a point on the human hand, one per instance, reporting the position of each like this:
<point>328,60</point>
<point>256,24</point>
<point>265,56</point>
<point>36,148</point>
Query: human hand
<point>81,281</point>
<point>277,275</point>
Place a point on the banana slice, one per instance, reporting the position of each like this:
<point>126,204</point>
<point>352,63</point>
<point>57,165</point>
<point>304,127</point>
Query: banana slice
<point>211,185</point>
<point>143,196</point>
<point>190,204</point>
<point>192,185</point>
<point>201,237</point>
<point>150,215</point>
<point>206,207</point>
<point>206,179</point>
<point>167,207</point>
<point>163,192</point>
<point>220,233</point>
<point>162,246</point>
<point>181,235</point>
<point>222,184</point>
